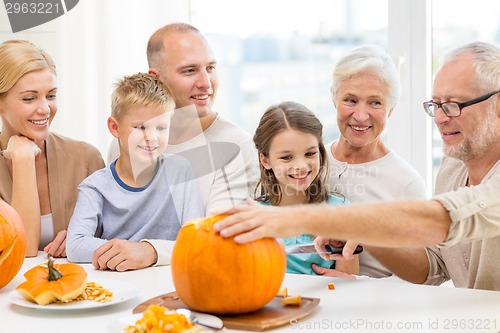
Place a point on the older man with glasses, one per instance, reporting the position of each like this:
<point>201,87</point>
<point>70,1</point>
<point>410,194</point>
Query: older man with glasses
<point>456,234</point>
<point>454,109</point>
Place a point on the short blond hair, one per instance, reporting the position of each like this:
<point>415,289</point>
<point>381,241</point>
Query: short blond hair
<point>18,58</point>
<point>140,90</point>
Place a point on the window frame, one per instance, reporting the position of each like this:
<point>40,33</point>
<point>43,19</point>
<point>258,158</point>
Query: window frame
<point>409,131</point>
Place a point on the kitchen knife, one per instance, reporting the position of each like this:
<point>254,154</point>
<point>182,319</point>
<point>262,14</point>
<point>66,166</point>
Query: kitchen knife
<point>309,248</point>
<point>203,319</point>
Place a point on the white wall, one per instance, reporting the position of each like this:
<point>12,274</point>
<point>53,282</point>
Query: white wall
<point>93,45</point>
<point>409,42</point>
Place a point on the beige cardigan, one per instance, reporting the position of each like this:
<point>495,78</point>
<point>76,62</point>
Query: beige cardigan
<point>469,255</point>
<point>69,163</point>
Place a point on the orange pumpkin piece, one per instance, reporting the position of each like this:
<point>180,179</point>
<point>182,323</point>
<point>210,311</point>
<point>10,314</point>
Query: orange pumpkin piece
<point>292,300</point>
<point>53,282</point>
<point>217,275</point>
<point>282,292</point>
<point>331,286</point>
<point>157,318</point>
<point>12,243</point>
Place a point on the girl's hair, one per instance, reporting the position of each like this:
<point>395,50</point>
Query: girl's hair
<point>140,89</point>
<point>18,58</point>
<point>276,119</point>
<point>368,58</point>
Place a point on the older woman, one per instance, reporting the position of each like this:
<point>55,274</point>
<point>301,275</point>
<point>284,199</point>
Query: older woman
<point>365,90</point>
<point>39,170</point>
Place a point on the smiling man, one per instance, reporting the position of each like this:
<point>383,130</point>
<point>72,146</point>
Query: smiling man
<point>221,153</point>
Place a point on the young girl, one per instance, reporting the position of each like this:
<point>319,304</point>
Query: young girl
<point>294,171</point>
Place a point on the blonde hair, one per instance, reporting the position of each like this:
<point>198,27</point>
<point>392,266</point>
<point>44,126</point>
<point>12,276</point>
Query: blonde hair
<point>155,49</point>
<point>18,58</point>
<point>140,89</point>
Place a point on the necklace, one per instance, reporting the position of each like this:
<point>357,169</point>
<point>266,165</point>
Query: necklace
<point>343,168</point>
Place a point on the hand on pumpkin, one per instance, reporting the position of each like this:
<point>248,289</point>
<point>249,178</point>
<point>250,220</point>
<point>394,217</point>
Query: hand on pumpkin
<point>256,221</point>
<point>122,255</point>
<point>57,248</point>
<point>20,146</point>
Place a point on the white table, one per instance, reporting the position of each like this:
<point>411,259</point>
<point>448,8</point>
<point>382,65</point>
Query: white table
<point>363,305</point>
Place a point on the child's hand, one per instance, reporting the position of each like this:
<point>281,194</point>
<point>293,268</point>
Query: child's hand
<point>331,272</point>
<point>122,255</point>
<point>57,248</point>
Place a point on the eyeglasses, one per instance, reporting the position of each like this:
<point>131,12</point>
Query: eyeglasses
<point>453,109</point>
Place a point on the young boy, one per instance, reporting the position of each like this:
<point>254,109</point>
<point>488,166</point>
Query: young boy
<point>128,214</point>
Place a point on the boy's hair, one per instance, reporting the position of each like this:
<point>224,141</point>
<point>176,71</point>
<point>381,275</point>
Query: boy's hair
<point>140,89</point>
<point>276,119</point>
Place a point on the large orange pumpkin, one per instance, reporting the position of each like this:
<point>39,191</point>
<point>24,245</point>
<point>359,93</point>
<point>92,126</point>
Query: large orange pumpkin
<point>12,243</point>
<point>217,275</point>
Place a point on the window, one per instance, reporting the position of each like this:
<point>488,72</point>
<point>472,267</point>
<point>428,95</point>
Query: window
<point>273,51</point>
<point>454,24</point>
<point>268,51</point>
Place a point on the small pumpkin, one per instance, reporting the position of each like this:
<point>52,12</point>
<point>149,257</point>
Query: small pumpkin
<point>12,243</point>
<point>217,275</point>
<point>53,282</point>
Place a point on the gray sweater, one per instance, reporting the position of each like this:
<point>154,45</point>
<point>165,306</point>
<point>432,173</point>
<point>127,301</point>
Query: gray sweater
<point>107,208</point>
<point>469,255</point>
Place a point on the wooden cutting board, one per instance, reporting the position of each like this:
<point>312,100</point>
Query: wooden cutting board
<point>274,314</point>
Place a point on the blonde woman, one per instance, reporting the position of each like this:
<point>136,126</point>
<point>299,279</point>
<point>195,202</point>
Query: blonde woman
<point>39,170</point>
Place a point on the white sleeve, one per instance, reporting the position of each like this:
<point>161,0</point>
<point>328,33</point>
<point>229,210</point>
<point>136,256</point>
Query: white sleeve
<point>163,248</point>
<point>235,181</point>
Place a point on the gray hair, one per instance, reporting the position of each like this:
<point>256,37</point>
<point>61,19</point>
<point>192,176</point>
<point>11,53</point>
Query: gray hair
<point>368,58</point>
<point>486,62</point>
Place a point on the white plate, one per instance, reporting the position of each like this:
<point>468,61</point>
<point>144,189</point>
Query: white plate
<point>122,291</point>
<point>118,325</point>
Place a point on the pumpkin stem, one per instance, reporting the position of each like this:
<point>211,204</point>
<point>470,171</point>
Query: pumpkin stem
<point>54,274</point>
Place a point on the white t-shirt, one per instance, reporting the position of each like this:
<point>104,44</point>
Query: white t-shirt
<point>46,231</point>
<point>385,179</point>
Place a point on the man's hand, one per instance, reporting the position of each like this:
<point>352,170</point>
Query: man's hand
<point>122,255</point>
<point>254,221</point>
<point>347,252</point>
